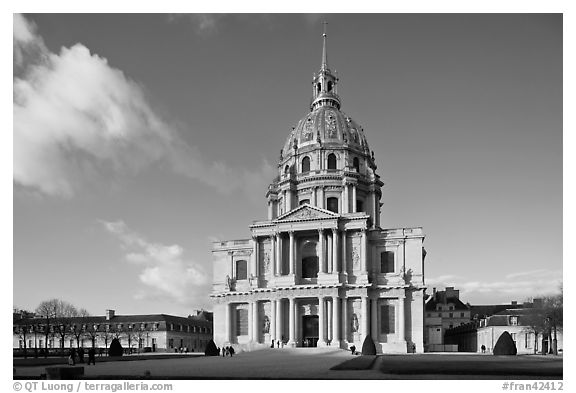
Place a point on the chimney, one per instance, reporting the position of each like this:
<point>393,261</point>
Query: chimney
<point>514,303</point>
<point>109,314</point>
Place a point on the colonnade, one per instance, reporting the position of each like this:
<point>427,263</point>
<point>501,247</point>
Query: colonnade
<point>331,256</point>
<point>334,324</point>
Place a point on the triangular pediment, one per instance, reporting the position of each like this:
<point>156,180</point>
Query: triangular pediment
<point>306,212</point>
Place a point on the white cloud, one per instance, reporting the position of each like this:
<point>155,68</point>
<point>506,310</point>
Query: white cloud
<point>164,270</point>
<point>80,122</point>
<point>515,286</point>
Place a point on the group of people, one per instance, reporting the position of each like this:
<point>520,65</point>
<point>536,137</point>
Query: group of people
<point>78,355</point>
<point>226,351</point>
<point>278,343</point>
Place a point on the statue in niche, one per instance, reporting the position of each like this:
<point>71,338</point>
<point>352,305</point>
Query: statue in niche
<point>266,327</point>
<point>355,324</point>
<point>227,283</point>
<point>355,257</point>
<point>266,261</point>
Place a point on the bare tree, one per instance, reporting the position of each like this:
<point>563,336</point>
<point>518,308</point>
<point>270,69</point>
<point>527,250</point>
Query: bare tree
<point>23,327</point>
<point>47,312</point>
<point>80,330</point>
<point>554,310</point>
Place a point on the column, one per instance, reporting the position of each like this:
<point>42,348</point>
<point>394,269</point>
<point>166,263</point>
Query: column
<point>273,319</point>
<point>329,321</point>
<point>313,200</point>
<point>365,324</point>
<point>278,254</point>
<point>344,259</point>
<point>364,251</point>
<point>284,201</point>
<point>270,214</point>
<point>291,322</point>
<point>273,253</point>
<point>289,200</point>
<point>321,333</point>
<point>255,257</point>
<point>401,318</point>
<point>329,256</point>
<point>374,208</point>
<point>255,324</point>
<point>292,253</point>
<point>345,200</point>
<point>335,256</point>
<point>250,321</point>
<point>354,198</point>
<point>345,327</point>
<point>374,319</point>
<point>279,320</point>
<point>335,321</point>
<point>321,261</point>
<point>227,322</point>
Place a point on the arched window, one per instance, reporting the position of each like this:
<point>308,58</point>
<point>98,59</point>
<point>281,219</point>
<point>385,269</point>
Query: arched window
<point>241,270</point>
<point>306,164</point>
<point>318,87</point>
<point>304,201</point>
<point>287,169</point>
<point>329,85</point>
<point>332,161</point>
<point>356,164</point>
<point>332,204</point>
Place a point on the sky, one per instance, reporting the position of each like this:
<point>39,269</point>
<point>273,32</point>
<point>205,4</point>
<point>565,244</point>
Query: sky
<point>139,139</point>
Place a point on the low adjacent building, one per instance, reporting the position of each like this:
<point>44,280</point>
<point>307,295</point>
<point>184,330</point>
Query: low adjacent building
<point>150,332</point>
<point>444,310</point>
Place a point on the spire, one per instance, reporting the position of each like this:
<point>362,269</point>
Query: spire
<point>324,58</point>
<point>324,82</point>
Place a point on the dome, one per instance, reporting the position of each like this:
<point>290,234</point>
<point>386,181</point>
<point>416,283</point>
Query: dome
<point>328,125</point>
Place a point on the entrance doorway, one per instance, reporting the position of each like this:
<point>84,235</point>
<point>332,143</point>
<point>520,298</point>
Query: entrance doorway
<point>309,330</point>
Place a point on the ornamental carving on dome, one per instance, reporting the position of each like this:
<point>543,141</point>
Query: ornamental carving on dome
<point>354,134</point>
<point>330,124</point>
<point>308,131</point>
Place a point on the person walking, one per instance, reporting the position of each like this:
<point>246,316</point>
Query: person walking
<point>72,357</point>
<point>231,351</point>
<point>92,356</point>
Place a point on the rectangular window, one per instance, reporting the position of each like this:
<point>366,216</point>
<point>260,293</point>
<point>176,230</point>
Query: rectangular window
<point>171,343</point>
<point>20,344</point>
<point>387,319</point>
<point>387,262</point>
<point>241,322</point>
<point>30,344</point>
<point>41,342</point>
<point>461,315</point>
<point>450,315</point>
<point>241,270</point>
<point>526,340</point>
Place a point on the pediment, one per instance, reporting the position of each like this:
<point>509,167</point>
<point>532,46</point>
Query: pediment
<point>307,212</point>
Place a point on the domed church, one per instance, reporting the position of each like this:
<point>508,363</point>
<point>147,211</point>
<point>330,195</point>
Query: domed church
<point>320,271</point>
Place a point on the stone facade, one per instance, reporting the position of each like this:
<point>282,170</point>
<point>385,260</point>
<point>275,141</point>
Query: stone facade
<point>320,271</point>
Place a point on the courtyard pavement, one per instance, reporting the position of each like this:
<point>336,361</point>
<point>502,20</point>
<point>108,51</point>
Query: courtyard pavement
<point>305,363</point>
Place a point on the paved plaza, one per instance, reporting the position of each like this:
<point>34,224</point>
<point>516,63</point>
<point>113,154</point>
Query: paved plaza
<point>316,364</point>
